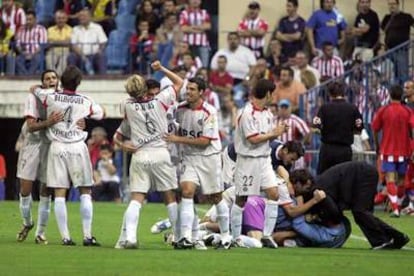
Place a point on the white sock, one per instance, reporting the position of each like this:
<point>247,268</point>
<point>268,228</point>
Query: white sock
<point>186,217</point>
<point>131,220</point>
<point>236,220</point>
<point>195,228</point>
<point>62,217</point>
<point>43,212</point>
<point>250,242</point>
<point>122,236</point>
<point>270,217</point>
<point>172,209</point>
<point>86,210</point>
<point>26,209</point>
<point>223,218</point>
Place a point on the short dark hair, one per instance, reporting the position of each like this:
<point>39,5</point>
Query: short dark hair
<point>107,147</point>
<point>336,88</point>
<point>294,3</point>
<point>233,33</point>
<point>263,86</point>
<point>42,77</point>
<point>254,5</point>
<point>151,84</point>
<point>201,84</point>
<point>302,176</point>
<point>290,70</point>
<point>222,56</point>
<point>396,92</point>
<point>294,147</point>
<point>327,43</point>
<point>71,78</point>
<point>32,12</point>
<point>322,1</point>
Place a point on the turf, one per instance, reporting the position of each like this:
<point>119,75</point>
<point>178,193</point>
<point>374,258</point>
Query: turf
<point>155,258</point>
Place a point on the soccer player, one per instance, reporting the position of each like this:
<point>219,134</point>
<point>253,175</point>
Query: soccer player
<point>393,121</point>
<point>68,157</point>
<point>29,167</point>
<point>145,124</point>
<point>349,186</point>
<point>201,162</point>
<point>253,170</point>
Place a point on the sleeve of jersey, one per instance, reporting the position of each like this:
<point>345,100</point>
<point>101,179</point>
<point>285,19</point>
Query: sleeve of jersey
<point>167,97</point>
<point>96,112</point>
<point>284,196</point>
<point>248,126</point>
<point>124,129</point>
<point>41,94</point>
<point>210,128</point>
<point>30,107</point>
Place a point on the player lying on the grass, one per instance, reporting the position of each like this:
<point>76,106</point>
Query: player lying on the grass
<point>144,125</point>
<point>68,157</point>
<point>349,186</point>
<point>29,168</point>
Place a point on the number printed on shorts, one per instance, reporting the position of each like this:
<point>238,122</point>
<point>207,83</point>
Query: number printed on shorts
<point>67,116</point>
<point>247,182</point>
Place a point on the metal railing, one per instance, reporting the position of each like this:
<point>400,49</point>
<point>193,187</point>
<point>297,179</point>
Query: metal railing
<point>367,83</point>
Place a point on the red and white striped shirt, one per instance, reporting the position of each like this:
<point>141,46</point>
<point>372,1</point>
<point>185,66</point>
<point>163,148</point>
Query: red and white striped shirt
<point>30,40</point>
<point>297,128</point>
<point>253,42</point>
<point>329,68</point>
<point>380,98</point>
<point>195,17</point>
<point>13,19</point>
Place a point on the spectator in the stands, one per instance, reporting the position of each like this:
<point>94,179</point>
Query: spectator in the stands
<point>291,30</point>
<point>288,89</point>
<point>146,13</point>
<point>240,60</point>
<point>13,16</point>
<point>366,30</point>
<point>301,65</point>
<point>98,138</point>
<point>195,23</point>
<point>30,42</point>
<point>168,7</point>
<point>325,25</point>
<point>274,56</point>
<point>220,80</point>
<point>58,38</point>
<point>227,120</point>
<point>308,79</point>
<point>6,56</point>
<point>384,64</point>
<point>209,95</point>
<point>178,53</point>
<point>260,71</point>
<point>142,47</point>
<point>397,28</point>
<point>329,65</point>
<point>103,13</point>
<point>88,43</point>
<point>252,29</point>
<point>72,8</point>
<point>189,65</point>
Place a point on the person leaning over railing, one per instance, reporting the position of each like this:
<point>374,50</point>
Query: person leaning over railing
<point>6,56</point>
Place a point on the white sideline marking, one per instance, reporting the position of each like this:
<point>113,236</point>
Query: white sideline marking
<point>355,237</point>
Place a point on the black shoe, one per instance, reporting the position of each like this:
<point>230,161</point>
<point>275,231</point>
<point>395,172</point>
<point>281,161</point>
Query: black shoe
<point>208,240</point>
<point>268,242</point>
<point>68,242</point>
<point>183,244</point>
<point>400,242</point>
<point>90,242</point>
<point>22,235</point>
<point>223,245</point>
<point>385,245</point>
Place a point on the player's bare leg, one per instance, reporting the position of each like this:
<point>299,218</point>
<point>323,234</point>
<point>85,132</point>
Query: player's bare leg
<point>86,211</point>
<point>25,208</point>
<point>42,214</point>
<point>271,211</point>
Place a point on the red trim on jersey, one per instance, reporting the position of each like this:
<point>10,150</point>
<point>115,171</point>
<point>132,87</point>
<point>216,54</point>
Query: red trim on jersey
<point>145,99</point>
<point>124,136</point>
<point>252,135</point>
<point>199,107</point>
<point>30,117</point>
<point>90,111</point>
<point>164,106</point>
<point>256,108</point>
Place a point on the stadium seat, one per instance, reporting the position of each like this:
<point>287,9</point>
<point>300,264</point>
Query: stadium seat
<point>127,6</point>
<point>125,22</point>
<point>45,11</point>
<point>117,49</point>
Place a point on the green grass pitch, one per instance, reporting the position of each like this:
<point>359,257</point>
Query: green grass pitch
<point>155,258</point>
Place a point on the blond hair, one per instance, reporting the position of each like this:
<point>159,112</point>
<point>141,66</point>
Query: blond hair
<point>135,86</point>
<point>308,79</point>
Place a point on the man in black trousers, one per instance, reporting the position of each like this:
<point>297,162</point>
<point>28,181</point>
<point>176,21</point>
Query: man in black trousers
<point>337,120</point>
<point>349,186</point>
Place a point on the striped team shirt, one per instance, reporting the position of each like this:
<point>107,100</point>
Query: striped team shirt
<point>195,17</point>
<point>367,107</point>
<point>252,42</point>
<point>13,19</point>
<point>30,40</point>
<point>297,128</point>
<point>329,68</point>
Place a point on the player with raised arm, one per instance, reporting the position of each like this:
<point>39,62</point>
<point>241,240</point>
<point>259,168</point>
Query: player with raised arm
<point>29,167</point>
<point>141,132</point>
<point>201,163</point>
<point>68,157</point>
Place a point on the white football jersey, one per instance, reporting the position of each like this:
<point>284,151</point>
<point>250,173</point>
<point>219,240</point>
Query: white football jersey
<point>200,122</point>
<point>146,121</point>
<point>30,110</point>
<point>74,106</point>
<point>251,122</point>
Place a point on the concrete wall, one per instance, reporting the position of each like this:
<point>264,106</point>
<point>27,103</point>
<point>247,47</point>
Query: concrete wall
<point>231,12</point>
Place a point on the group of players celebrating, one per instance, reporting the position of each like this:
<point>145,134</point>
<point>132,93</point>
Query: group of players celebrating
<point>296,208</point>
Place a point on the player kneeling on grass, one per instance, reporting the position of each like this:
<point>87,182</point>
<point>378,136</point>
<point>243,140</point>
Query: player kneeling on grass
<point>68,158</point>
<point>145,124</point>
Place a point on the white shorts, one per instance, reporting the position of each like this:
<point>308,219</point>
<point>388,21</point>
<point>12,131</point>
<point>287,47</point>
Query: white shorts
<point>204,171</point>
<point>228,169</point>
<point>69,162</point>
<point>44,152</point>
<point>253,174</point>
<point>152,166</point>
<point>28,162</point>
